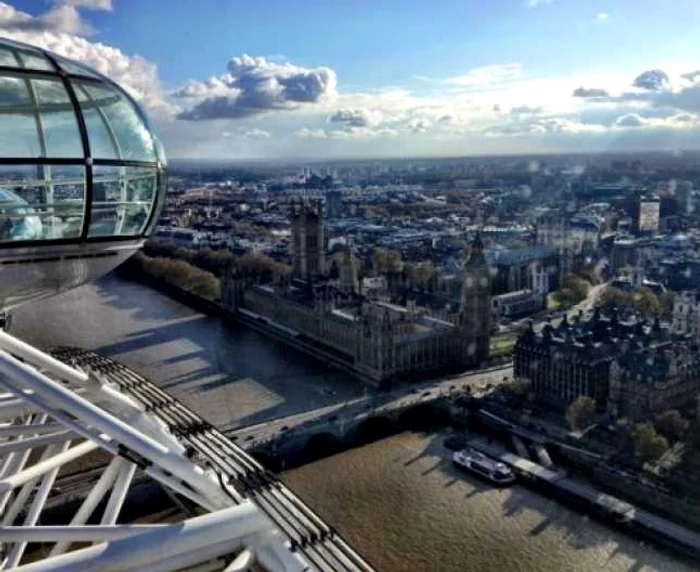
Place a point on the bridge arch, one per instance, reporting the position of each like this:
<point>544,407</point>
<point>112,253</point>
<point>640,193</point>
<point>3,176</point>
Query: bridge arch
<point>374,428</point>
<point>268,460</point>
<point>421,416</point>
<point>322,445</point>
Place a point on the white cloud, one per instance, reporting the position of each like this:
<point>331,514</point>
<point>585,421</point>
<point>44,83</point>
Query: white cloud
<point>630,120</point>
<point>539,126</point>
<point>361,117</point>
<point>90,4</point>
<point>134,73</point>
<point>535,3</point>
<point>526,110</point>
<point>62,17</point>
<point>212,87</point>
<point>586,92</point>
<point>487,76</point>
<point>653,80</point>
<point>602,16</point>
<point>306,133</point>
<point>256,133</point>
<point>362,133</point>
<point>683,120</point>
<point>419,125</point>
<point>676,121</point>
<point>256,85</point>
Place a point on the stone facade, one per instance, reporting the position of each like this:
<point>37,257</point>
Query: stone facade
<point>514,304</point>
<point>686,315</point>
<point>536,268</point>
<point>347,270</point>
<point>631,368</point>
<point>648,382</point>
<point>383,341</point>
<point>308,239</point>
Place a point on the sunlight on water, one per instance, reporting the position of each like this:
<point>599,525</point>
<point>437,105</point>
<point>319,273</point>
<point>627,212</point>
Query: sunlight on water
<point>404,507</point>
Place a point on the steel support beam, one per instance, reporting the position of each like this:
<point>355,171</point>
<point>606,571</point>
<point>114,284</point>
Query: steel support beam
<point>40,497</point>
<point>42,360</point>
<point>54,394</point>
<point>99,490</point>
<point>76,533</point>
<point>116,499</point>
<point>21,477</point>
<point>171,542</point>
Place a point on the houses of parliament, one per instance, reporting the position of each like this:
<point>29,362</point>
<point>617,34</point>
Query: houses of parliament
<point>321,302</point>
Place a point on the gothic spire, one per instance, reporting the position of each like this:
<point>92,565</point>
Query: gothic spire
<point>476,256</point>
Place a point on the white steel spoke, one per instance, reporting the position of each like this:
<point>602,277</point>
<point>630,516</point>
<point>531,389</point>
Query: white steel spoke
<point>26,490</point>
<point>65,413</point>
<point>21,477</point>
<point>32,442</point>
<point>40,359</point>
<point>169,543</point>
<point>92,500</point>
<point>243,562</point>
<point>15,430</point>
<point>78,406</point>
<point>83,533</point>
<point>37,505</point>
<point>14,464</point>
<point>116,499</point>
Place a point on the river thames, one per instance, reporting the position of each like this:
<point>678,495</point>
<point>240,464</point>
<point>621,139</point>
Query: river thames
<point>402,504</point>
<point>229,374</point>
<point>398,501</point>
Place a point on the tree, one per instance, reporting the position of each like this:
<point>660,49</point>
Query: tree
<point>259,264</point>
<point>648,444</point>
<point>581,412</point>
<point>615,298</point>
<point>578,286</point>
<point>591,273</point>
<point>671,425</point>
<point>214,261</point>
<point>424,272</point>
<point>386,261</point>
<point>573,291</point>
<point>176,272</point>
<point>420,273</point>
<point>645,302</point>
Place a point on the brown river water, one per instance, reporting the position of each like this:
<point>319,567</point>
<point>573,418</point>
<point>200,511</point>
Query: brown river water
<point>402,505</point>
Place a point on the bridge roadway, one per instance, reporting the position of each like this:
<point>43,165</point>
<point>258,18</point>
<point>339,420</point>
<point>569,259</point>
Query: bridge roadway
<point>355,411</point>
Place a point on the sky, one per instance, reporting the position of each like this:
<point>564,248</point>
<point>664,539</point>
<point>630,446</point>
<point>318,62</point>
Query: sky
<point>285,79</point>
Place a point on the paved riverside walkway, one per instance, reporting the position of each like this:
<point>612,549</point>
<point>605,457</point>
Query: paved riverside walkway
<point>620,510</point>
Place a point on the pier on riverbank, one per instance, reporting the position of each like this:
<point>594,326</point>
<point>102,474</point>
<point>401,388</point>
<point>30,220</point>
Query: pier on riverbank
<point>611,508</point>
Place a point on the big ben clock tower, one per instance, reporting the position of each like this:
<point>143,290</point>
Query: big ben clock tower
<point>475,311</point>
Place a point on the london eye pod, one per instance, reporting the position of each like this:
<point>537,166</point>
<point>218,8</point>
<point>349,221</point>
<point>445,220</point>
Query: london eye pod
<point>82,174</point>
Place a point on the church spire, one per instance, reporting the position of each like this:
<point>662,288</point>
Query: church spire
<point>476,255</point>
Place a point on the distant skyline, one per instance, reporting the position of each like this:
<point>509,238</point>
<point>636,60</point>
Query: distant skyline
<point>326,80</point>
